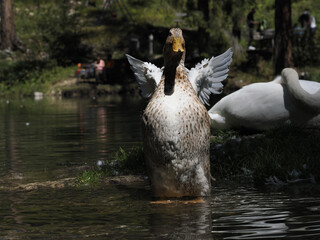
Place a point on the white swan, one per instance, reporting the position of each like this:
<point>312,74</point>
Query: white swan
<point>205,77</point>
<point>262,106</point>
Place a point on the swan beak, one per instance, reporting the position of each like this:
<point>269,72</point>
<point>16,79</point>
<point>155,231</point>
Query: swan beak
<point>177,44</point>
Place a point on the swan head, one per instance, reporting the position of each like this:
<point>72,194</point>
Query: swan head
<point>174,48</point>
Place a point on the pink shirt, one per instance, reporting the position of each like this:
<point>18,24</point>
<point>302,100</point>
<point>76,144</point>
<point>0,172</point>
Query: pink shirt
<point>100,65</point>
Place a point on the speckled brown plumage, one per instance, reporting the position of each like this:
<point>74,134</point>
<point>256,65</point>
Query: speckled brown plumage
<point>176,132</point>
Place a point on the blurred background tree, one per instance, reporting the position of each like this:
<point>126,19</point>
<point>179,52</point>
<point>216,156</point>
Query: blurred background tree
<point>283,36</point>
<point>65,32</point>
<point>9,39</point>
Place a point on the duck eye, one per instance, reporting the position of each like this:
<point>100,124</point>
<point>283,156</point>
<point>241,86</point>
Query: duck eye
<point>170,33</point>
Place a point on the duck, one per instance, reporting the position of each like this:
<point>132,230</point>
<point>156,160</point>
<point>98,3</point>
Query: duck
<point>268,105</point>
<point>175,123</point>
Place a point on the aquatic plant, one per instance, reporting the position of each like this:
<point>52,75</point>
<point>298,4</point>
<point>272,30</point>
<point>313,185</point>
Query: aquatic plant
<point>89,177</point>
<point>124,162</point>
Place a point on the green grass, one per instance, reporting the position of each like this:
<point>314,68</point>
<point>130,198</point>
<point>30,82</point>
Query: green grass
<point>89,177</point>
<point>124,162</point>
<point>34,81</point>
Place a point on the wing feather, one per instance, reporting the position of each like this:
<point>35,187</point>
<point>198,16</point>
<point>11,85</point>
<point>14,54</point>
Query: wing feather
<point>147,75</point>
<point>206,76</point>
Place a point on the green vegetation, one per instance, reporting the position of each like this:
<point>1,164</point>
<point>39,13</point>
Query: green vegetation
<point>59,34</point>
<point>21,81</point>
<point>122,163</point>
<point>285,154</point>
<point>89,177</point>
<point>277,153</point>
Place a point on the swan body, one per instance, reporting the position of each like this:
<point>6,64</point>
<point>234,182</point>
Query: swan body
<point>262,106</point>
<point>205,77</point>
<point>176,130</point>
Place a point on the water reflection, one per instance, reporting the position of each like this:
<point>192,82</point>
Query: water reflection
<point>41,136</point>
<point>181,221</point>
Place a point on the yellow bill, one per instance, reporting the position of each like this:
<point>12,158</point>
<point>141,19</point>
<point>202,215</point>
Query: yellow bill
<point>177,44</point>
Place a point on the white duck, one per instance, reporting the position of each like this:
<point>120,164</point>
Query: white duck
<point>176,125</point>
<point>262,106</point>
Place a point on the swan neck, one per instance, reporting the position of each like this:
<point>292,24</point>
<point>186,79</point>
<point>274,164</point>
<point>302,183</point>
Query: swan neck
<point>310,102</point>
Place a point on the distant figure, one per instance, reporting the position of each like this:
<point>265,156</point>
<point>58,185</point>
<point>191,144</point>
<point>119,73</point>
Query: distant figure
<point>251,22</point>
<point>308,22</point>
<point>313,26</point>
<point>304,19</point>
<point>100,70</point>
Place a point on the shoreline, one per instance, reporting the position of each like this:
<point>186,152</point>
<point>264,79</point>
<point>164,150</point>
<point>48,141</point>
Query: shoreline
<point>72,87</point>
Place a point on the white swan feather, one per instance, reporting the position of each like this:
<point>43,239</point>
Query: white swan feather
<point>267,105</point>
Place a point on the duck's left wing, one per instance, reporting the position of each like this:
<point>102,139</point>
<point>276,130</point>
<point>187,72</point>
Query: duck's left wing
<point>206,77</point>
<point>147,74</point>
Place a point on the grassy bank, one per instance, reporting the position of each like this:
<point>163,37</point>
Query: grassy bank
<point>286,154</point>
<point>279,157</point>
<point>25,78</point>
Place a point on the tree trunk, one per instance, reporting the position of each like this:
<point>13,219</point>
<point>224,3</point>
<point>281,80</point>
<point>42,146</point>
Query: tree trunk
<point>8,35</point>
<point>283,35</point>
<point>203,6</point>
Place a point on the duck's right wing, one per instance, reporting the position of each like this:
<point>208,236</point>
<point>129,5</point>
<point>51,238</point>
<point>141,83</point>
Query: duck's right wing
<point>147,74</point>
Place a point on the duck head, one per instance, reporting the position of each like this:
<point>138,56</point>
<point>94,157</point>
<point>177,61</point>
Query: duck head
<point>174,48</point>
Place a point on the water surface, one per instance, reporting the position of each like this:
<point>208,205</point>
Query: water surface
<point>39,137</point>
<point>48,139</point>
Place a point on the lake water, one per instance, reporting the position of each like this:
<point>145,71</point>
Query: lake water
<point>48,139</point>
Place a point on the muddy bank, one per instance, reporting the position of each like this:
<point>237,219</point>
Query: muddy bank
<point>70,182</point>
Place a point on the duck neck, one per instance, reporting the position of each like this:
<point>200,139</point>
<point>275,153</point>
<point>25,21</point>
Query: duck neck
<point>170,71</point>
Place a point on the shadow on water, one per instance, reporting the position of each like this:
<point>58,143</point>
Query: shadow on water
<point>49,139</point>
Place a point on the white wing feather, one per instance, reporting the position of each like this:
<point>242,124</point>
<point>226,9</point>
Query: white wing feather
<point>147,74</point>
<point>206,76</point>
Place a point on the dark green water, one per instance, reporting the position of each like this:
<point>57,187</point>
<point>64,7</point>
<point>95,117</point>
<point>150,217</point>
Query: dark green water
<point>38,138</point>
<point>48,139</point>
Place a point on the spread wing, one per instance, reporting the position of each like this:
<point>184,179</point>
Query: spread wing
<point>147,74</point>
<point>206,77</point>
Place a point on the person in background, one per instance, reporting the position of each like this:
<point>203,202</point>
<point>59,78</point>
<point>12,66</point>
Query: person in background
<point>313,26</point>
<point>251,22</point>
<point>304,19</point>
<point>100,70</point>
<point>308,22</point>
